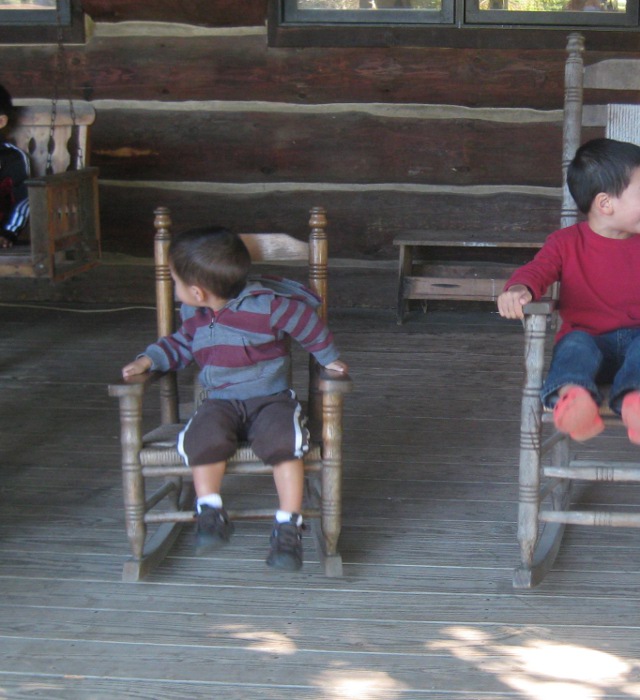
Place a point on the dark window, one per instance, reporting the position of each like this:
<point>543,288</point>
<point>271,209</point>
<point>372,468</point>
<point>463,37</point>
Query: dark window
<point>35,12</point>
<point>41,21</point>
<point>606,24</point>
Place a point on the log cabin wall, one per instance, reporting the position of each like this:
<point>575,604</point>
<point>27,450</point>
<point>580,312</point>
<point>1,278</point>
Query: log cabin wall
<point>195,111</point>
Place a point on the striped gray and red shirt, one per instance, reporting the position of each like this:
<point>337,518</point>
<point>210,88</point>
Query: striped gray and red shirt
<point>242,350</point>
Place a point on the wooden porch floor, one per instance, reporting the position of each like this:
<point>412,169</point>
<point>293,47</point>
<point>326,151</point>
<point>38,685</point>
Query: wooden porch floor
<point>425,609</point>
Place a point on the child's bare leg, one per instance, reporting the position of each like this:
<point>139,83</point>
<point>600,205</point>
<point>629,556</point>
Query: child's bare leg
<point>207,478</point>
<point>631,415</point>
<point>289,479</point>
<point>286,538</point>
<point>212,522</point>
<point>576,413</point>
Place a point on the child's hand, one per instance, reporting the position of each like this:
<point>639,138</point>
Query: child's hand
<point>338,366</point>
<point>139,366</point>
<point>510,303</point>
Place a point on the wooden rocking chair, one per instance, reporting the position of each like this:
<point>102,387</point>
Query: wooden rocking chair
<point>155,456</point>
<point>547,469</point>
<point>63,237</point>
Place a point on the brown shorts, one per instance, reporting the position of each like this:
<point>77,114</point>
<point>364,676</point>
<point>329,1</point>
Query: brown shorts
<point>274,426</point>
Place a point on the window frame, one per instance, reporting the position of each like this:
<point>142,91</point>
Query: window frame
<point>41,26</point>
<point>460,34</point>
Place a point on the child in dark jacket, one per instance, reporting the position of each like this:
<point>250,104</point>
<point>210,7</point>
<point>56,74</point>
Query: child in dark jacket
<point>15,169</point>
<point>236,331</point>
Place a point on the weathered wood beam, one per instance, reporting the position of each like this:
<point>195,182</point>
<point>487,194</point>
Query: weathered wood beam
<point>267,145</point>
<point>363,220</point>
<point>240,66</point>
<point>230,67</point>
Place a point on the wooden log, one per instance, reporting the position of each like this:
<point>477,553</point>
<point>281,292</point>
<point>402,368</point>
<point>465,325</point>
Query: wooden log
<point>355,232</point>
<point>243,67</point>
<point>299,145</point>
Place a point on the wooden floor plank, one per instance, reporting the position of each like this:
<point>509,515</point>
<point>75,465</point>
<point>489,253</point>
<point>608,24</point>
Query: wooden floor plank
<point>25,686</point>
<point>438,670</point>
<point>255,627</point>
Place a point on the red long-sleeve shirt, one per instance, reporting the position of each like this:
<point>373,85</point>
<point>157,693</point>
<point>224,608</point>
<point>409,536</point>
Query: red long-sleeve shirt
<point>599,279</point>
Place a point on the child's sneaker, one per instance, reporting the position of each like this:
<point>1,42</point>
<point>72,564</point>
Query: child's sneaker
<point>213,529</point>
<point>286,545</point>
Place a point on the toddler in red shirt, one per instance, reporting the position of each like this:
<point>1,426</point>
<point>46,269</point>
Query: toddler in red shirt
<point>597,263</point>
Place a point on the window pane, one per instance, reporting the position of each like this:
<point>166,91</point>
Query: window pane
<point>364,5</point>
<point>568,13</point>
<point>35,12</point>
<point>34,5</point>
<point>369,11</point>
<point>619,6</point>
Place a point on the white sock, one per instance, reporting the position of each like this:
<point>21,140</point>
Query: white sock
<point>211,499</point>
<point>284,516</point>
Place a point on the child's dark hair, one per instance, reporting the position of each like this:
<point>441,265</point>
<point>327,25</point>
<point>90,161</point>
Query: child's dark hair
<point>601,165</point>
<point>6,103</point>
<point>213,258</point>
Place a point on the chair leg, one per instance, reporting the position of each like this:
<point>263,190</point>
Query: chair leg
<point>540,547</point>
<point>331,511</point>
<point>145,553</point>
<point>528,503</point>
<point>530,451</point>
<point>132,479</point>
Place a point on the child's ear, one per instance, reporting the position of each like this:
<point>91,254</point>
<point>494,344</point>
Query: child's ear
<point>198,292</point>
<point>602,203</point>
<point>4,120</point>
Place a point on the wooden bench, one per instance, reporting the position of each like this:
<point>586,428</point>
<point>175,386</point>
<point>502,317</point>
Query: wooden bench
<point>63,234</point>
<point>456,265</point>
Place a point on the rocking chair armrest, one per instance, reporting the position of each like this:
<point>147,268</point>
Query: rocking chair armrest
<point>130,394</point>
<point>544,307</point>
<point>331,381</point>
<point>135,385</point>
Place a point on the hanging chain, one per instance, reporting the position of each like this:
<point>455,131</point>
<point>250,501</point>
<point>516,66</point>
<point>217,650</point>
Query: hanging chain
<point>62,73</point>
<point>54,111</point>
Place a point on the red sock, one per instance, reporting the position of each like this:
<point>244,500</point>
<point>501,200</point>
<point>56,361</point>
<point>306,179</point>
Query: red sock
<point>631,415</point>
<point>576,413</point>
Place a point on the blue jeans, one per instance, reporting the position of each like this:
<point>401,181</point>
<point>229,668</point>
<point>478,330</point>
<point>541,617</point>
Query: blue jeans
<point>588,360</point>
